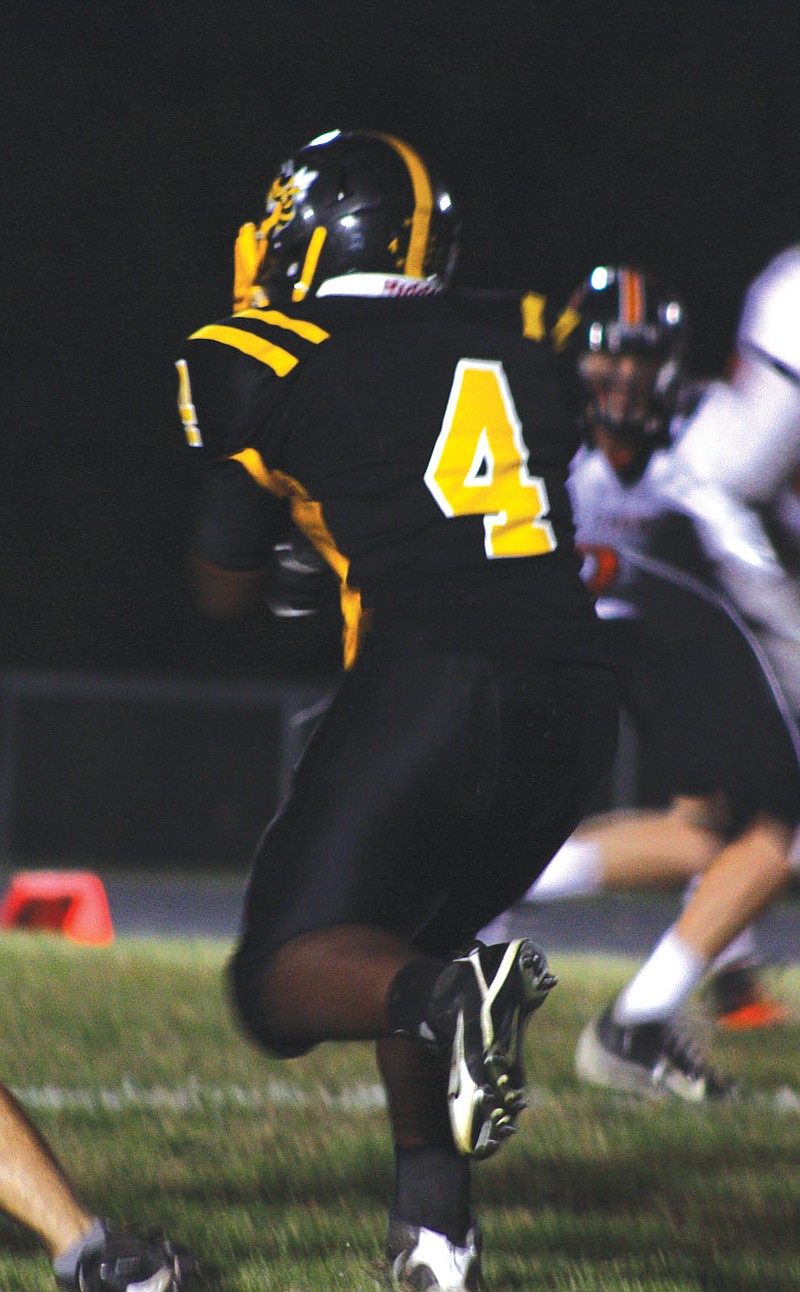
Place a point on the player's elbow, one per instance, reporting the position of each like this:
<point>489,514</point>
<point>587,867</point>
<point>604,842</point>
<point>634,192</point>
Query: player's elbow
<point>223,594</point>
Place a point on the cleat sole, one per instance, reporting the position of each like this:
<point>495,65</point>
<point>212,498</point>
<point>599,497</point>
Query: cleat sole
<point>483,1112</point>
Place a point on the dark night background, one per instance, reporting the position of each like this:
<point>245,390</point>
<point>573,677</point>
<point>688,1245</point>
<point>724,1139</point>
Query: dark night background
<point>136,139</point>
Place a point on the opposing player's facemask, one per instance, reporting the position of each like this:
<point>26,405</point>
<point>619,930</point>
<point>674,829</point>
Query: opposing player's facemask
<point>625,414</point>
<point>631,342</point>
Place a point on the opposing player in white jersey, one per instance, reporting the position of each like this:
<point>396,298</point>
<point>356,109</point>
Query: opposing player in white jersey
<point>737,465</point>
<point>634,337</point>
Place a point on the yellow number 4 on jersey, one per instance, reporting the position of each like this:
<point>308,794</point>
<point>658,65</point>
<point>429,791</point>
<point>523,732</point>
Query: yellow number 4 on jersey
<point>479,464</point>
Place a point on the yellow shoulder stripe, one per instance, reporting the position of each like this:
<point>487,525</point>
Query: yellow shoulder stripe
<point>309,331</point>
<point>256,347</point>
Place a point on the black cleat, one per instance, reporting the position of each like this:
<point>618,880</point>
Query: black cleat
<point>479,1009</point>
<point>127,1264</point>
<point>649,1059</point>
<point>739,1001</point>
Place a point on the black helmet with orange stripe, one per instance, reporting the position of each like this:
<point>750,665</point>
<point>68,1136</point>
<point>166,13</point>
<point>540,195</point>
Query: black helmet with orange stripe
<point>349,202</point>
<point>624,311</point>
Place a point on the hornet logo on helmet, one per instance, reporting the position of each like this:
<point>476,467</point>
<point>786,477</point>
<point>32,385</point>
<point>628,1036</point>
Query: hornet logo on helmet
<point>287,188</point>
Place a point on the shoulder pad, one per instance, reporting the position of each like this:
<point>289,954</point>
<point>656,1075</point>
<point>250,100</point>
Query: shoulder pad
<point>277,340</point>
<point>230,374</point>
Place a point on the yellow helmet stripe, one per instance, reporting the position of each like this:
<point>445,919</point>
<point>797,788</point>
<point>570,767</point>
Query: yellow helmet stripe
<point>423,206</point>
<point>256,347</point>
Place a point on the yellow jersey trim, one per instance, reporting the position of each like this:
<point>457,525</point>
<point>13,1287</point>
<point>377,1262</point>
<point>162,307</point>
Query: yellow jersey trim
<point>532,306</point>
<point>307,515</point>
<point>186,408</point>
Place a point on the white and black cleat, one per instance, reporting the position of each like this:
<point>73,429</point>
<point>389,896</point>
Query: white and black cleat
<point>481,1005</point>
<point>649,1059</point>
<point>422,1260</point>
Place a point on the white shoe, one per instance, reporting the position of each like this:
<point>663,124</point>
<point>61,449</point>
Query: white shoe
<point>650,1059</point>
<point>422,1260</point>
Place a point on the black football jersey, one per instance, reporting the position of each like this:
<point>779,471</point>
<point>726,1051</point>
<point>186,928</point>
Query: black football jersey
<point>422,444</point>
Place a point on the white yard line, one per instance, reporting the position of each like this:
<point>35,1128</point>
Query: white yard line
<point>195,1096</point>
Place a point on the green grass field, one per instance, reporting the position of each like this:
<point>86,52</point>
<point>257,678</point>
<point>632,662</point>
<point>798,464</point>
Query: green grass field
<point>278,1174</point>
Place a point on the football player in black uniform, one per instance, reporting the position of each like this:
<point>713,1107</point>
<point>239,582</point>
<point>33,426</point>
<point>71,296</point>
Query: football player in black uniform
<point>421,442</point>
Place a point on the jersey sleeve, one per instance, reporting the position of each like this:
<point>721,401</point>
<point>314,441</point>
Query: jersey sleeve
<point>223,395</point>
<point>736,542</point>
<point>237,523</point>
<point>234,375</point>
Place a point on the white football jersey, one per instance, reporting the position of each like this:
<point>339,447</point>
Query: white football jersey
<point>745,437</point>
<point>738,456</point>
<point>610,511</point>
<point>787,512</point>
<point>768,323</point>
<point>613,514</point>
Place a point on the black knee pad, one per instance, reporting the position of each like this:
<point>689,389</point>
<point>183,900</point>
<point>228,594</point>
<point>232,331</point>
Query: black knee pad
<point>245,981</point>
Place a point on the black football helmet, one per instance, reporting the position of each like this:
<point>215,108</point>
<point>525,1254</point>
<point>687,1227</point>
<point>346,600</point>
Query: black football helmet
<point>350,201</point>
<point>625,311</point>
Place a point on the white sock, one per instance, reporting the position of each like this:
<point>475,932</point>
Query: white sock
<point>575,871</point>
<point>662,985</point>
<point>66,1264</point>
<point>743,947</point>
<point>688,892</point>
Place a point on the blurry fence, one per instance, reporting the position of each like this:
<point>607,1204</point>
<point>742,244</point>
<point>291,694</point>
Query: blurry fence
<point>160,771</point>
<point>145,770</point>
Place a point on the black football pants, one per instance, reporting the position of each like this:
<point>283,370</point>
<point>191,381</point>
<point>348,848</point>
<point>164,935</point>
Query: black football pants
<point>434,791</point>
